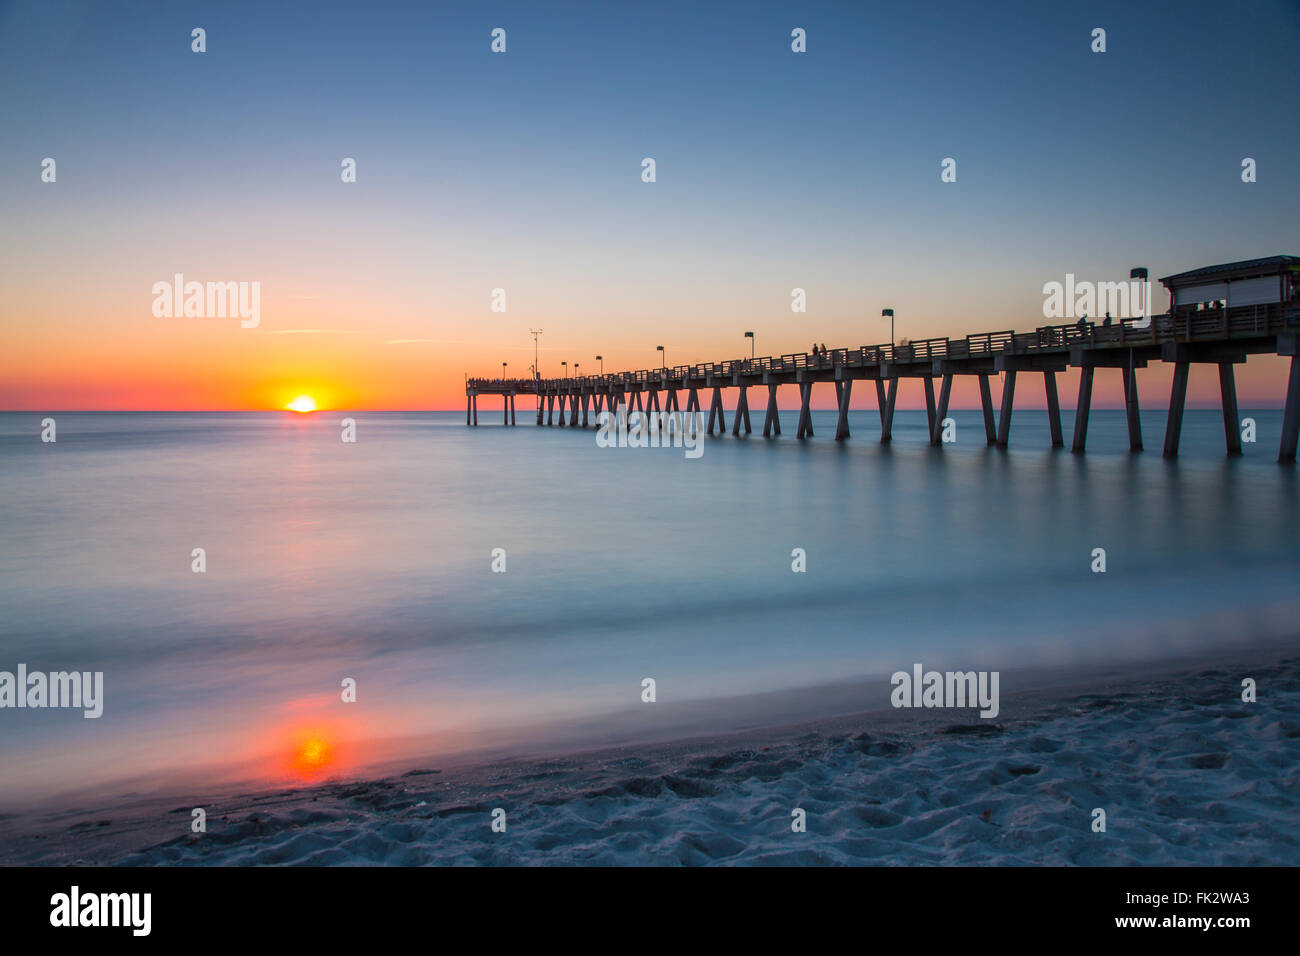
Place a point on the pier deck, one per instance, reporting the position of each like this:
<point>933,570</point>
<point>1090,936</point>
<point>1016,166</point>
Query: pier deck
<point>1218,336</point>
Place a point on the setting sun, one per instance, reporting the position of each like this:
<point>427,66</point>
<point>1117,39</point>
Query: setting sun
<point>311,756</point>
<point>303,403</point>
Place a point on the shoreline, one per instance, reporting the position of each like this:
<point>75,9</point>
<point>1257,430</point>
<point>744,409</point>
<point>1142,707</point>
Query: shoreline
<point>1207,778</point>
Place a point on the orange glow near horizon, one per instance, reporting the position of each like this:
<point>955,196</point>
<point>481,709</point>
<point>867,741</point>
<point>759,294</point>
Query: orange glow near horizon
<point>312,756</point>
<point>303,403</point>
<point>119,357</point>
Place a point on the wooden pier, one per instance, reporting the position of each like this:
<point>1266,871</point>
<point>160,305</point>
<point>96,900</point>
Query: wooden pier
<point>1201,331</point>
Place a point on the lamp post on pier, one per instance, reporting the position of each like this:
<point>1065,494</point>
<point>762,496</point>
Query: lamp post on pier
<point>1137,272</point>
<point>537,373</point>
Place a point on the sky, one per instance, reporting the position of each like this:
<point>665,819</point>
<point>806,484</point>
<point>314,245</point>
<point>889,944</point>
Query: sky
<point>522,171</point>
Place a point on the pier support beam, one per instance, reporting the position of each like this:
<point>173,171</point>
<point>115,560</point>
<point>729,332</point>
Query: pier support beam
<point>880,405</point>
<point>693,408</point>
<point>1177,399</point>
<point>1132,409</point>
<point>929,402</point>
<point>586,400</point>
<point>475,411</point>
<point>1286,451</point>
<point>505,408</point>
<point>772,420</point>
<point>1053,408</point>
<point>1082,408</point>
<point>564,398</point>
<point>1228,395</point>
<point>716,413</point>
<point>804,428</point>
<point>986,402</point>
<point>941,413</point>
<point>1008,402</point>
<point>468,401</point>
<point>842,423</point>
<point>742,412</point>
<point>887,416</point>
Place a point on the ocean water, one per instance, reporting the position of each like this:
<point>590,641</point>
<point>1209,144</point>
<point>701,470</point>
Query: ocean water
<point>372,561</point>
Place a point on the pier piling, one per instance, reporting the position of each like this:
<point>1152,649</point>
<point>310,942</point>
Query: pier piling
<point>772,420</point>
<point>1008,400</point>
<point>887,419</point>
<point>1053,408</point>
<point>986,403</point>
<point>941,413</point>
<point>1177,399</point>
<point>1228,398</point>
<point>842,422</point>
<point>1286,452</point>
<point>1082,408</point>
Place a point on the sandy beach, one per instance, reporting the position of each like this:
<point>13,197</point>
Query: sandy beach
<point>1186,771</point>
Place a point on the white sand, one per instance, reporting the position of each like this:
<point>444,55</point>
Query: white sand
<point>1187,774</point>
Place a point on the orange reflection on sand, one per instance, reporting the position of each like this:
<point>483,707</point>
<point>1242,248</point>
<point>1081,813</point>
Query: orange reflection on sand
<point>312,752</point>
<point>314,755</point>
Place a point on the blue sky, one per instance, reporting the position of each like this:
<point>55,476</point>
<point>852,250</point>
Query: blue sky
<point>775,170</point>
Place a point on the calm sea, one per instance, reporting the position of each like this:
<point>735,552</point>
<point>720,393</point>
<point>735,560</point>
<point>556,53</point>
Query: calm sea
<point>372,561</point>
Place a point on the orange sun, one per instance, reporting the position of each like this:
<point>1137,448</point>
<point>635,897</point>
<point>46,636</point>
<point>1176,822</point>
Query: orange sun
<point>312,756</point>
<point>303,403</point>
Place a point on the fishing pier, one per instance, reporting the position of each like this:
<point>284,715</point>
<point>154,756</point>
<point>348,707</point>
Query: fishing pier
<point>1219,316</point>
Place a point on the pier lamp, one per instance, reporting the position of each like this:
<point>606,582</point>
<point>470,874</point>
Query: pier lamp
<point>1137,272</point>
<point>537,364</point>
<point>660,348</point>
<point>575,369</point>
<point>503,369</point>
<point>565,366</point>
<point>750,336</point>
<point>1140,272</point>
<point>601,360</point>
<point>890,313</point>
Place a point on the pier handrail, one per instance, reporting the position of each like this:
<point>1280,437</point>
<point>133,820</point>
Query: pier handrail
<point>1209,323</point>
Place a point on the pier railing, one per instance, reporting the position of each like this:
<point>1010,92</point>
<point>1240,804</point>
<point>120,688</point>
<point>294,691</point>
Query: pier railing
<point>1197,326</point>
